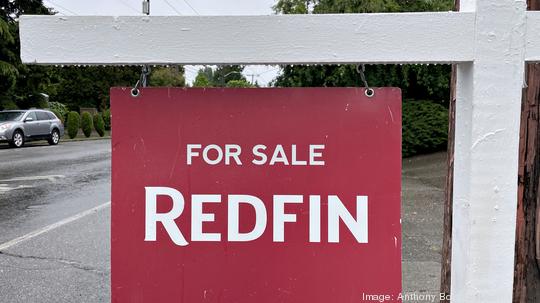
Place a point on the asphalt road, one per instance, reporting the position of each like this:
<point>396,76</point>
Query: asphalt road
<point>423,181</point>
<point>55,198</point>
<point>42,185</point>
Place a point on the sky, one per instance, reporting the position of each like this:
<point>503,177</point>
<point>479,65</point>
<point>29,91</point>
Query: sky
<point>262,74</point>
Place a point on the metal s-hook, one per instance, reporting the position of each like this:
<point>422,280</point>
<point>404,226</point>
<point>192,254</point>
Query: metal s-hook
<point>142,82</point>
<point>370,92</point>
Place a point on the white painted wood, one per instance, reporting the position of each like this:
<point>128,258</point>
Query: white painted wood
<point>490,39</point>
<point>488,111</point>
<point>295,39</point>
<point>533,36</point>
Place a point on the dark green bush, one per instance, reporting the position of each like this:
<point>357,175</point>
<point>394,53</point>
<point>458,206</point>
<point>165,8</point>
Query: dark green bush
<point>86,124</point>
<point>99,125</point>
<point>59,109</point>
<point>425,127</point>
<point>107,119</point>
<point>73,124</point>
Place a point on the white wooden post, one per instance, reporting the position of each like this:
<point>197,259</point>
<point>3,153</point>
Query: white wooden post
<point>488,108</point>
<point>490,41</point>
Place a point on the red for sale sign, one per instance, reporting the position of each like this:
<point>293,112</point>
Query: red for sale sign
<point>256,195</point>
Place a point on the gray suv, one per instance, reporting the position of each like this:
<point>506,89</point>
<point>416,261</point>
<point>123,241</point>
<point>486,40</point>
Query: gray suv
<point>19,126</point>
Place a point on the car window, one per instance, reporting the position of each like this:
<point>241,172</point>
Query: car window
<point>32,115</point>
<point>51,116</point>
<point>10,116</point>
<point>42,116</point>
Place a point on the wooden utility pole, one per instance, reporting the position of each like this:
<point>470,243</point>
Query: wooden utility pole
<point>447,235</point>
<point>527,274</point>
<point>527,259</point>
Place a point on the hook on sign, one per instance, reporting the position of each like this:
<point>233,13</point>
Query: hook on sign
<point>142,82</point>
<point>370,92</point>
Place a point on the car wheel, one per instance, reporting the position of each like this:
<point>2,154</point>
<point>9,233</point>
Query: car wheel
<point>55,137</point>
<point>17,139</point>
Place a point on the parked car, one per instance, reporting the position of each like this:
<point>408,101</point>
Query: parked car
<point>20,126</point>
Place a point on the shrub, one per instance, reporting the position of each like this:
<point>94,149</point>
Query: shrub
<point>73,124</point>
<point>86,124</point>
<point>99,125</point>
<point>107,119</point>
<point>425,127</point>
<point>59,109</point>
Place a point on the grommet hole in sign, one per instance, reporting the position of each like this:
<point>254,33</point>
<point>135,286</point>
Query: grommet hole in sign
<point>135,92</point>
<point>370,92</point>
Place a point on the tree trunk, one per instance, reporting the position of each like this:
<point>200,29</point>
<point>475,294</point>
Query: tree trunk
<point>447,235</point>
<point>526,272</point>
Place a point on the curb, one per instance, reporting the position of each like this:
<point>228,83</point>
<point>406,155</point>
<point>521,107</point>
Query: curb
<point>86,139</point>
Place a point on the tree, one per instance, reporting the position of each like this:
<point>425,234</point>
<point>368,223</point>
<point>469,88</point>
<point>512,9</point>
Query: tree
<point>204,77</point>
<point>417,81</point>
<point>225,73</point>
<point>201,80</point>
<point>88,86</point>
<point>208,77</point>
<point>12,9</point>
<point>167,76</point>
<point>22,85</point>
<point>360,6</point>
<point>239,83</point>
<point>17,81</point>
<point>292,6</point>
<point>8,71</point>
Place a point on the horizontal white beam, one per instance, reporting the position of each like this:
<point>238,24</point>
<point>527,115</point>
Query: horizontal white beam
<point>532,51</point>
<point>285,39</point>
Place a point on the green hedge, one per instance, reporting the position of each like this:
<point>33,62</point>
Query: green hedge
<point>107,119</point>
<point>87,124</point>
<point>73,124</point>
<point>425,127</point>
<point>99,125</point>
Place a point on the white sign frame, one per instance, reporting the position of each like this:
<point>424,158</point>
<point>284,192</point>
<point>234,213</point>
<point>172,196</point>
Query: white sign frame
<point>489,40</point>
